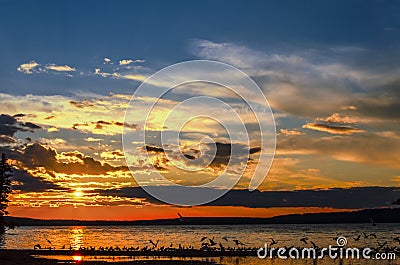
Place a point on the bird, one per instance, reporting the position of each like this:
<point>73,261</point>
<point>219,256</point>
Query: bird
<point>382,245</point>
<point>37,246</point>
<point>304,240</point>
<point>221,247</point>
<point>372,221</point>
<point>225,238</point>
<point>273,242</point>
<point>372,235</point>
<point>313,244</point>
<point>181,219</point>
<point>154,244</point>
<point>212,242</point>
<point>365,235</point>
<point>203,238</point>
<point>237,242</point>
<point>357,238</point>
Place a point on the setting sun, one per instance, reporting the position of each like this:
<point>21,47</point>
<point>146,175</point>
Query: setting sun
<point>78,193</point>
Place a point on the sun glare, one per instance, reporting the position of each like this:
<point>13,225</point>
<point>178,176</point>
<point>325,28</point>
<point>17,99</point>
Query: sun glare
<point>78,193</point>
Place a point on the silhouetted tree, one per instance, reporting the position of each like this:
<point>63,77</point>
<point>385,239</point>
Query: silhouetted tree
<point>5,188</point>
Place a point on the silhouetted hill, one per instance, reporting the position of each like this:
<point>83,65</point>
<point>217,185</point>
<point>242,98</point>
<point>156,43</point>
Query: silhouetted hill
<point>384,215</point>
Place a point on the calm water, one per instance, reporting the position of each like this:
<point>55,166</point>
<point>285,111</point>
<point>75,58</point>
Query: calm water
<point>186,235</point>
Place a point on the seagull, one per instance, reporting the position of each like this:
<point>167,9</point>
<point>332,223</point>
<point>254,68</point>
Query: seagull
<point>237,242</point>
<point>372,221</point>
<point>365,235</point>
<point>382,245</point>
<point>212,242</point>
<point>181,219</point>
<point>154,244</point>
<point>313,244</point>
<point>304,240</point>
<point>273,242</point>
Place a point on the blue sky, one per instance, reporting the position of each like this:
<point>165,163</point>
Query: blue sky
<point>82,34</point>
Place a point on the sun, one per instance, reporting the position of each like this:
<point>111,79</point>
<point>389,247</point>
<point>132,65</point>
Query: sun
<point>78,193</point>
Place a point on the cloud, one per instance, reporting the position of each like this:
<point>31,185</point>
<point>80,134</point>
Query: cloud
<point>317,82</point>
<point>289,132</point>
<point>36,155</point>
<point>332,129</point>
<point>60,68</point>
<point>81,104</point>
<point>9,125</point>
<point>129,61</point>
<point>351,198</point>
<point>367,148</point>
<point>26,182</point>
<point>27,68</point>
<point>334,124</point>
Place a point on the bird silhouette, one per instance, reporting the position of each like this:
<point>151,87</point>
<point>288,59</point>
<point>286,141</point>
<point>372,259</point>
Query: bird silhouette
<point>203,238</point>
<point>365,235</point>
<point>304,240</point>
<point>212,242</point>
<point>372,235</point>
<point>154,244</point>
<point>357,238</point>
<point>372,221</point>
<point>382,245</point>
<point>221,247</point>
<point>225,238</point>
<point>313,244</point>
<point>273,242</point>
<point>237,242</point>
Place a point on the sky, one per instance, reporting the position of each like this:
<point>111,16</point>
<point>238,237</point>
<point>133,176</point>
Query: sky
<point>329,70</point>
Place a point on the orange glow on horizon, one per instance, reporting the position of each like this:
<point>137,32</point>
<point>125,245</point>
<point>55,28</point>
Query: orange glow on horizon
<point>132,213</point>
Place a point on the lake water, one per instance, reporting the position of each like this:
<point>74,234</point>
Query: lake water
<point>189,235</point>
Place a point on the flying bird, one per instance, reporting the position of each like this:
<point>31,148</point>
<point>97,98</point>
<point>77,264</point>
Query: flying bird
<point>304,240</point>
<point>372,221</point>
<point>273,242</point>
<point>154,244</point>
<point>225,238</point>
<point>203,238</point>
<point>357,238</point>
<point>237,242</point>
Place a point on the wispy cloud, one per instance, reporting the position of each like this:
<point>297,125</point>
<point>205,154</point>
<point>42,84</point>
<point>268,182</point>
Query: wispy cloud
<point>27,68</point>
<point>60,68</point>
<point>129,61</point>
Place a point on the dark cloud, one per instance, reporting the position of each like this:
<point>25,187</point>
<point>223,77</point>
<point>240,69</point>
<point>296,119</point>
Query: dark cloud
<point>82,104</point>
<point>36,155</point>
<point>9,125</point>
<point>154,149</point>
<point>332,128</point>
<point>26,182</point>
<point>340,198</point>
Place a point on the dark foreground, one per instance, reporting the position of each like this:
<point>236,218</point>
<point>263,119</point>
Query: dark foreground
<point>36,257</point>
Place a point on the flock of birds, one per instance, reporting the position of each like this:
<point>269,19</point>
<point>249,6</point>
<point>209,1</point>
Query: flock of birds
<point>231,245</point>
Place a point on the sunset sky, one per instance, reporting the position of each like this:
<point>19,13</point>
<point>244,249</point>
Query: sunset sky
<point>330,72</point>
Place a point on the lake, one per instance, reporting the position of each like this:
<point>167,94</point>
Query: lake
<point>322,235</point>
